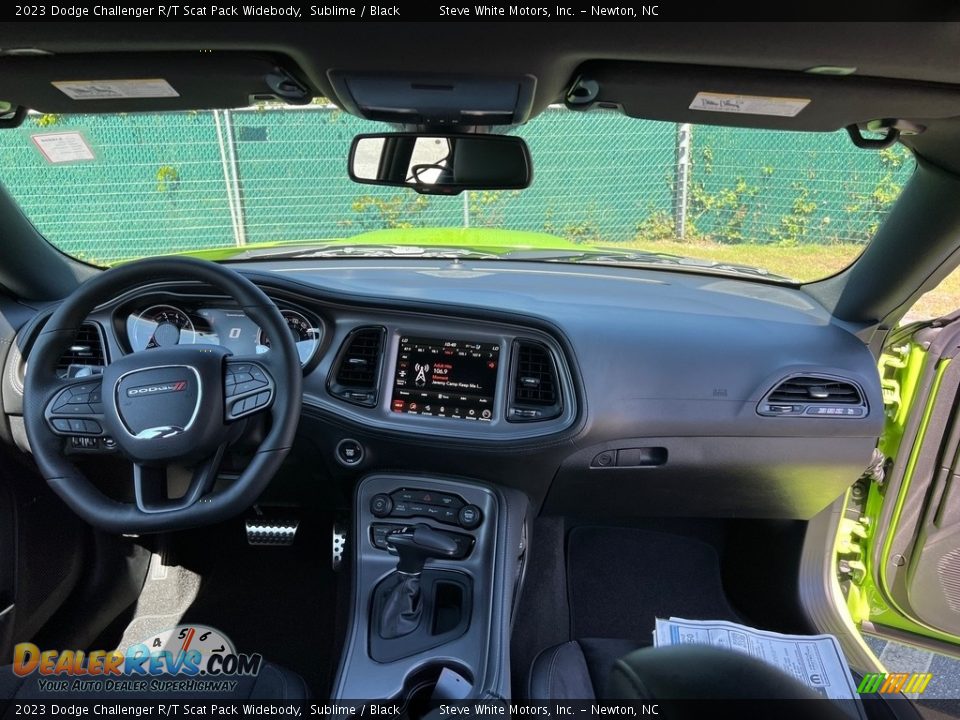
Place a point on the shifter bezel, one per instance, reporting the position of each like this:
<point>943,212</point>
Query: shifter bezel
<point>492,569</point>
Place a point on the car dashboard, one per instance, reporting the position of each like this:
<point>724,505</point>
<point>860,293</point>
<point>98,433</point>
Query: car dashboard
<point>595,390</point>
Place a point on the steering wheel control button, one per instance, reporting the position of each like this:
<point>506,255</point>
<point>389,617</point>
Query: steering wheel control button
<point>61,424</point>
<point>349,452</point>
<point>251,385</point>
<point>92,427</point>
<point>470,517</point>
<point>381,505</point>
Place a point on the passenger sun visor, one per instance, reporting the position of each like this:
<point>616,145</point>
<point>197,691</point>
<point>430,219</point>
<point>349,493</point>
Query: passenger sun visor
<point>434,99</point>
<point>147,82</point>
<point>743,97</point>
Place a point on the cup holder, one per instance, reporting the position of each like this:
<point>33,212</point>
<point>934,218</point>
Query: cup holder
<point>427,687</point>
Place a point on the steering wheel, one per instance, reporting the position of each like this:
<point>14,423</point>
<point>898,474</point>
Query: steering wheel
<point>166,407</point>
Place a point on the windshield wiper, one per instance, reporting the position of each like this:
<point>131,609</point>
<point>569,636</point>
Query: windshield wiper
<point>367,251</point>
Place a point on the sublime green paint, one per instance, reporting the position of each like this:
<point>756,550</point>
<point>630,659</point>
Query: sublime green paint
<point>868,601</point>
<point>488,240</point>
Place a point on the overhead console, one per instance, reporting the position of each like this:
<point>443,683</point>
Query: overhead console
<point>436,99</point>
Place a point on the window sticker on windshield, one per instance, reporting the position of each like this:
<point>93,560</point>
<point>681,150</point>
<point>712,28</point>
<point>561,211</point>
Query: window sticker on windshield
<point>749,104</point>
<point>63,147</point>
<point>116,89</point>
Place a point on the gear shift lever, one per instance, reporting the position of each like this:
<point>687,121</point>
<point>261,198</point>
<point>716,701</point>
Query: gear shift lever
<point>403,606</point>
<point>418,543</point>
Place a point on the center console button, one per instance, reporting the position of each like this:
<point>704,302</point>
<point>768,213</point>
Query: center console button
<point>449,515</point>
<point>381,505</point>
<point>470,517</point>
<point>450,501</point>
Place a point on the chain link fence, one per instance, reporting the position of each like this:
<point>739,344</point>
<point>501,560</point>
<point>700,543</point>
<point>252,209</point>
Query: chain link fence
<point>168,182</point>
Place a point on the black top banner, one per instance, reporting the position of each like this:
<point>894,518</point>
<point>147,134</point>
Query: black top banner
<point>562,11</point>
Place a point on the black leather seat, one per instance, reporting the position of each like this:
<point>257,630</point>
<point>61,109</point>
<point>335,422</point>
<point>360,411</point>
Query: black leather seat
<point>271,683</point>
<point>625,670</point>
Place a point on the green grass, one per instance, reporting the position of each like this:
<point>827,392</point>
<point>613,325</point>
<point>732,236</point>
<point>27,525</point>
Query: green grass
<point>812,262</point>
<point>801,262</point>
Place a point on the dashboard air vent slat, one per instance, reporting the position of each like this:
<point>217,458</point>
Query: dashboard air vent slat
<point>535,379</point>
<point>85,350</point>
<point>815,390</point>
<point>356,375</point>
<point>535,385</point>
<point>815,396</point>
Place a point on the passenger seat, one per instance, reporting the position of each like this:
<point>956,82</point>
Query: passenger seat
<point>625,670</point>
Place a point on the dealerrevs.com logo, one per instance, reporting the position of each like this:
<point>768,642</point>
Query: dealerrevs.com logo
<point>187,658</point>
<point>157,389</point>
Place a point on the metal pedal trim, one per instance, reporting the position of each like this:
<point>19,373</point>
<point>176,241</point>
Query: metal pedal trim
<point>339,545</point>
<point>278,533</point>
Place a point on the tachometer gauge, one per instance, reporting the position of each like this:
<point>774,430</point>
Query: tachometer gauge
<point>160,326</point>
<point>305,335</point>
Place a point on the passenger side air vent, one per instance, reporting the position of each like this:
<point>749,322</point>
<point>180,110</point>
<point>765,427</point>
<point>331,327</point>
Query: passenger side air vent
<point>86,350</point>
<point>535,385</point>
<point>356,371</point>
<point>814,395</point>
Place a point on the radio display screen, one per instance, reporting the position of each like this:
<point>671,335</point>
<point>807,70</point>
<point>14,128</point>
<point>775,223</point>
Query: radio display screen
<point>445,378</point>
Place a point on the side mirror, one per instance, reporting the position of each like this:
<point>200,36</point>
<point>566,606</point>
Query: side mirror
<point>441,164</point>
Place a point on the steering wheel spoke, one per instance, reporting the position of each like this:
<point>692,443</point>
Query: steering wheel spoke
<point>152,483</point>
<point>248,386</point>
<point>77,409</point>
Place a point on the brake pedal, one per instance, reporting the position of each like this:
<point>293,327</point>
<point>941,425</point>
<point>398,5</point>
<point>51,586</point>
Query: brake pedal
<point>271,531</point>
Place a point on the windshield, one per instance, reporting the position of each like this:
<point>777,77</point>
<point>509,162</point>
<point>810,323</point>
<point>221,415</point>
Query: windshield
<point>607,189</point>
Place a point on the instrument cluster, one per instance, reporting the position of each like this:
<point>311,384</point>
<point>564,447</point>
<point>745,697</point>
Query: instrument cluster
<point>164,325</point>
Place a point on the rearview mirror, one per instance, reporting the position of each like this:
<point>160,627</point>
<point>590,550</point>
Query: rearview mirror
<point>441,164</point>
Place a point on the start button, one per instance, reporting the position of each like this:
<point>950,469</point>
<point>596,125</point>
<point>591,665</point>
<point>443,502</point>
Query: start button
<point>349,452</point>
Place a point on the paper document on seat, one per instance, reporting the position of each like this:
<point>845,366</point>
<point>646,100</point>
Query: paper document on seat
<point>815,660</point>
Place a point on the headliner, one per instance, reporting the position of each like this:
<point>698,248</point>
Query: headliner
<point>904,70</point>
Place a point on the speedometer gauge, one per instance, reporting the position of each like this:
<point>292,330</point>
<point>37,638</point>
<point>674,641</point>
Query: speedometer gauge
<point>305,335</point>
<point>160,326</point>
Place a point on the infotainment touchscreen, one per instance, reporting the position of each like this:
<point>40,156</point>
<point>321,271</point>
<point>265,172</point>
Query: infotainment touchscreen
<point>446,378</point>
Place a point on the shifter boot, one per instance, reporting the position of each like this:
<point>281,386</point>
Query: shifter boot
<point>402,608</point>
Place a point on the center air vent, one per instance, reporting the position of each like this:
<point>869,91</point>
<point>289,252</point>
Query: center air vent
<point>535,385</point>
<point>814,395</point>
<point>356,371</point>
<point>86,350</point>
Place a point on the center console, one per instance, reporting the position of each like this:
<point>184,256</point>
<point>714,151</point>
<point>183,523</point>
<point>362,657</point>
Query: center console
<point>437,565</point>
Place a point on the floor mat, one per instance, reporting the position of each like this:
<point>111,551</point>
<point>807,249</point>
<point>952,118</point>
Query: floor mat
<point>621,579</point>
<point>276,601</point>
<point>165,597</point>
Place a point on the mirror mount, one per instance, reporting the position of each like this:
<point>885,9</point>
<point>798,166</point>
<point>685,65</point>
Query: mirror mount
<point>433,163</point>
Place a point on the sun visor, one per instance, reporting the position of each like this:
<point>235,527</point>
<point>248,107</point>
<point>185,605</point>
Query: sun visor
<point>754,98</point>
<point>436,99</point>
<point>121,82</point>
